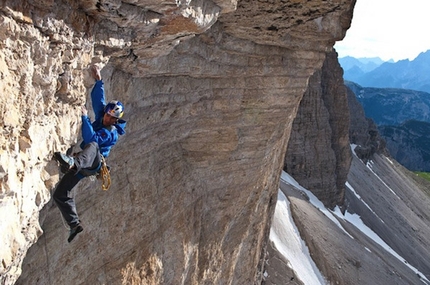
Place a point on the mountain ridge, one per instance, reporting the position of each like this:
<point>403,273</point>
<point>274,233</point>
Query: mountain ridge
<point>372,189</point>
<point>362,65</point>
<point>392,106</point>
<point>403,74</point>
<point>409,143</point>
<point>402,117</point>
<point>211,90</point>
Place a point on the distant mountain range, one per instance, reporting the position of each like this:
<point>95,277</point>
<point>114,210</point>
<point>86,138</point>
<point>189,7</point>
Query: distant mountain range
<point>392,106</point>
<point>373,72</point>
<point>403,120</point>
<point>409,144</point>
<point>361,65</point>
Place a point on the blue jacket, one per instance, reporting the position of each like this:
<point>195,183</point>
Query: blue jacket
<point>105,137</point>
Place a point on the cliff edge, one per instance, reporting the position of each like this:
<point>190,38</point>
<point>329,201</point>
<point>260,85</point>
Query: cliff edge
<point>211,89</point>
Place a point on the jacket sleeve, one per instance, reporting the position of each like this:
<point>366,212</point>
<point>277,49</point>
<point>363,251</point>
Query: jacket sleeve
<point>101,137</point>
<point>98,99</point>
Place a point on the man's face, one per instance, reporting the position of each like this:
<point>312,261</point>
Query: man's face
<point>108,120</point>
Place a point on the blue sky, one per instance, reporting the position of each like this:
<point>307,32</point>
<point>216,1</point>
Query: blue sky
<point>389,29</point>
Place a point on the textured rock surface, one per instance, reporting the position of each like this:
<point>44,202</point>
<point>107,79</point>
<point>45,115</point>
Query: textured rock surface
<point>389,199</point>
<point>41,63</point>
<point>403,129</point>
<point>363,132</point>
<point>318,154</point>
<point>346,255</point>
<point>408,144</point>
<point>278,269</point>
<point>392,106</point>
<point>209,110</point>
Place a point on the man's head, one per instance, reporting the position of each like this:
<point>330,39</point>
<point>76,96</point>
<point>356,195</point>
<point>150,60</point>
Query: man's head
<point>113,111</point>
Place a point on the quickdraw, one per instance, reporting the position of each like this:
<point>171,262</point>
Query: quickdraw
<point>105,175</point>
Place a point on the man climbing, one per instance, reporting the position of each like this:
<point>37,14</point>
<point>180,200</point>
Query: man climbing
<point>98,139</point>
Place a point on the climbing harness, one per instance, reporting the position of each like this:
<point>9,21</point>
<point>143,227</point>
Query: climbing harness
<point>105,175</point>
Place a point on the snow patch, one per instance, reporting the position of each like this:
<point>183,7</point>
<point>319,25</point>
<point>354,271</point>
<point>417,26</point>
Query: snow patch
<point>358,223</point>
<point>286,238</point>
<point>353,146</point>
<point>286,178</point>
<point>369,165</point>
<point>359,197</point>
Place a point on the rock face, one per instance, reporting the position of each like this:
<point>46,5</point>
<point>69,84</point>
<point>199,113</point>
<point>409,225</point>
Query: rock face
<point>408,144</point>
<point>318,154</point>
<point>363,131</point>
<point>211,89</point>
<point>392,203</point>
<point>392,106</point>
<point>380,194</point>
<point>403,129</point>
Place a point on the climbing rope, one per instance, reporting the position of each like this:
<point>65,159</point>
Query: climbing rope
<point>105,175</point>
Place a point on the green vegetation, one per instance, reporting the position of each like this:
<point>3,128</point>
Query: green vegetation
<point>425,175</point>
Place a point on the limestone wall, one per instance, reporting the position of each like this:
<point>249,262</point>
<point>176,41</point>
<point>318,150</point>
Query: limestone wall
<point>318,154</point>
<point>210,98</point>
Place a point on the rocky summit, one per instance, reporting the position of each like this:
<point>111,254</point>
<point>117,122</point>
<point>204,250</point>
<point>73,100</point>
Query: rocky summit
<point>211,90</point>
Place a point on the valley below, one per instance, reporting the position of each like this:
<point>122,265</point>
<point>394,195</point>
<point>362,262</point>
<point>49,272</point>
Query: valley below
<point>381,237</point>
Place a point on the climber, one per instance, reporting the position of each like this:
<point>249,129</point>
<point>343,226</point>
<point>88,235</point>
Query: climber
<point>98,139</point>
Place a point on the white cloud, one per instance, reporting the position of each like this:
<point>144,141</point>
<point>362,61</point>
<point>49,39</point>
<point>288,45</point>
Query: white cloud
<point>389,29</point>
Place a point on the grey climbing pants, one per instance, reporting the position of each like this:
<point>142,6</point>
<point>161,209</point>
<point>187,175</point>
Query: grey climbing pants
<point>87,163</point>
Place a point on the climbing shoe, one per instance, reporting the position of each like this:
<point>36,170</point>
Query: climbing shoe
<point>66,162</point>
<point>74,231</point>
